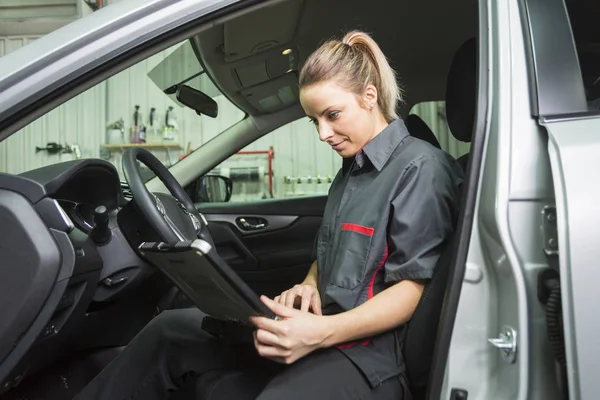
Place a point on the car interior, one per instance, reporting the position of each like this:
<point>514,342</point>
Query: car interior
<point>83,295</point>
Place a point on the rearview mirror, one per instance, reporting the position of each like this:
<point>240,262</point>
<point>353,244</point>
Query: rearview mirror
<point>213,189</point>
<point>198,101</point>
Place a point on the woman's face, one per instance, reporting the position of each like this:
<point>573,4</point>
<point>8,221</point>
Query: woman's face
<point>340,119</point>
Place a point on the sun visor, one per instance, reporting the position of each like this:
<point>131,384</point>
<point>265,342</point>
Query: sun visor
<point>282,20</point>
<point>275,66</point>
<point>179,66</point>
<point>176,67</point>
<point>274,95</point>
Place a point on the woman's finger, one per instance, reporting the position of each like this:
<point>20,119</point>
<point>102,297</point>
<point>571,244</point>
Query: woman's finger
<point>315,304</point>
<point>278,309</point>
<point>306,300</point>
<point>267,338</point>
<point>272,351</point>
<point>283,297</point>
<point>290,299</point>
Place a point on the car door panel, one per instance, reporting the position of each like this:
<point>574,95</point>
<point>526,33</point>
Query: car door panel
<point>573,147</point>
<point>247,224</point>
<point>275,248</point>
<point>305,206</point>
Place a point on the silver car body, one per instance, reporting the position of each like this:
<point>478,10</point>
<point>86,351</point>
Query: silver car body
<point>531,159</point>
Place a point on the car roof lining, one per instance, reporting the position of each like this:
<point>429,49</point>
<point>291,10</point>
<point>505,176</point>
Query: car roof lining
<point>419,39</point>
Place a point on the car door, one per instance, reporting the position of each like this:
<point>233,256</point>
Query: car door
<point>499,347</point>
<point>270,244</point>
<point>568,111</point>
<point>267,230</point>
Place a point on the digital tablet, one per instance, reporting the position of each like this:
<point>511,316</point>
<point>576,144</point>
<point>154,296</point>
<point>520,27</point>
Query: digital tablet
<point>206,279</point>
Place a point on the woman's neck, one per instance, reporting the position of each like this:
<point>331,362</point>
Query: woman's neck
<point>379,124</point>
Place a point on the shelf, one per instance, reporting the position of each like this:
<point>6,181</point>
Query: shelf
<point>157,145</point>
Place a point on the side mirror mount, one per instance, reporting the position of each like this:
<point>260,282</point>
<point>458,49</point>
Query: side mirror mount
<point>213,189</point>
<point>197,101</point>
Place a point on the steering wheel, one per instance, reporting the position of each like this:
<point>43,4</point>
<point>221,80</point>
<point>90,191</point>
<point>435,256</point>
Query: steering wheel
<point>174,218</point>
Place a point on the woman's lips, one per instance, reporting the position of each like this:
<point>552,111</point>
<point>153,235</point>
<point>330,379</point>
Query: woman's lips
<point>337,146</point>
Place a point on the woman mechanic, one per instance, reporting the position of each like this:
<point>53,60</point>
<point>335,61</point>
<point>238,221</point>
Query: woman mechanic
<point>390,210</point>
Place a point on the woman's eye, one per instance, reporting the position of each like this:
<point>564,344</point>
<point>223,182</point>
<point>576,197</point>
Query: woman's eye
<point>313,121</point>
<point>334,114</point>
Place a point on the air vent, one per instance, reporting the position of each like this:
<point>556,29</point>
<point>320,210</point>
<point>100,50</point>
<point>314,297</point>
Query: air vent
<point>126,191</point>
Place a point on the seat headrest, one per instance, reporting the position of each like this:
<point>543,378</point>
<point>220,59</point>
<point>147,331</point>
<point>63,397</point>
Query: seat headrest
<point>419,129</point>
<point>461,91</point>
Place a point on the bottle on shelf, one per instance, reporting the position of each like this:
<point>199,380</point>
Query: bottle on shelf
<point>152,133</point>
<point>138,130</point>
<point>171,127</point>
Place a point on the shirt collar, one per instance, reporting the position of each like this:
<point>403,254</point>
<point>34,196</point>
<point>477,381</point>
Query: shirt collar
<point>379,149</point>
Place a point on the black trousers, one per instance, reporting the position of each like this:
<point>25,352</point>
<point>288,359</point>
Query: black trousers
<point>174,347</point>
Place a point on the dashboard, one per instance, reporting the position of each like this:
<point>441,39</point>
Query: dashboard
<point>82,214</point>
<point>80,186</point>
<point>61,290</point>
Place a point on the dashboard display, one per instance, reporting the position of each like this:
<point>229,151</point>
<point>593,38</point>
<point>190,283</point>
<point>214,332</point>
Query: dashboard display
<point>81,214</point>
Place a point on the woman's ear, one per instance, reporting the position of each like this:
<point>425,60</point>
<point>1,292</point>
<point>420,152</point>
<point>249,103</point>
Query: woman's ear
<point>370,97</point>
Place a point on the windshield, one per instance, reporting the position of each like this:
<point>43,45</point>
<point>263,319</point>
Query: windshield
<point>130,109</point>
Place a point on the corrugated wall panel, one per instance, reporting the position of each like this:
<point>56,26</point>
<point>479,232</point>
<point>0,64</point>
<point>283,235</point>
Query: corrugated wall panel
<point>299,155</point>
<point>9,44</point>
<point>133,87</point>
<point>80,121</point>
<point>298,151</point>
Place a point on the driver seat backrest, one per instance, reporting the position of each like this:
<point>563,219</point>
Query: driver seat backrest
<point>421,332</point>
<point>419,129</point>
<point>461,95</point>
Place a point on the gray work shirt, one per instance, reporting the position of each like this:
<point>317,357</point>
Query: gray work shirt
<point>389,213</point>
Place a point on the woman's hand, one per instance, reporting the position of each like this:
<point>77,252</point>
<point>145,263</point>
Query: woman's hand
<point>295,335</point>
<point>307,295</point>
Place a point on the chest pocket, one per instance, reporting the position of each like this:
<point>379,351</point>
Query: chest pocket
<point>350,259</point>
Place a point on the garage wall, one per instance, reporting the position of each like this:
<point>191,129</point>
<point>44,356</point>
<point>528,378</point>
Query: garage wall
<point>301,164</point>
<point>64,125</point>
<point>297,150</point>
<point>84,119</point>
<point>133,87</point>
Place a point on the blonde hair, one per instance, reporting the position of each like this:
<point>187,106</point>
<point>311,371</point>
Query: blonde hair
<point>354,62</point>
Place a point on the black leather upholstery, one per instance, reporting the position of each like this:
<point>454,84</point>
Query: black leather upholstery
<point>461,91</point>
<point>461,94</point>
<point>421,333</point>
<point>419,129</point>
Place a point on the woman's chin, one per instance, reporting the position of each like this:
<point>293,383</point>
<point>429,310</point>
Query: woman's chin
<point>346,153</point>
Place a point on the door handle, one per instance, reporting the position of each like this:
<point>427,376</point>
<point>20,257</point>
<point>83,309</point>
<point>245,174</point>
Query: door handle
<point>251,223</point>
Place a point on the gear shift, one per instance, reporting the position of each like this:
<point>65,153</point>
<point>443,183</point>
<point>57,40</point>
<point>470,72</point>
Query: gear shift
<point>101,232</point>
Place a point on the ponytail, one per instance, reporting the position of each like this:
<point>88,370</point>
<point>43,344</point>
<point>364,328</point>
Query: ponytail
<point>355,62</point>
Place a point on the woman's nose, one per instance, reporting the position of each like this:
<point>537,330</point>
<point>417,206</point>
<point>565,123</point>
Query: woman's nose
<point>325,132</point>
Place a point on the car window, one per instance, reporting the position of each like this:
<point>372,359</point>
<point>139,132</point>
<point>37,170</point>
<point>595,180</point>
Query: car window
<point>299,164</point>
<point>583,15</point>
<point>137,107</point>
<point>289,162</point>
<point>433,113</point>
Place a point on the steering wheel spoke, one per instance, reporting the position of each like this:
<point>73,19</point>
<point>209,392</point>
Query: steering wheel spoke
<point>174,217</point>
